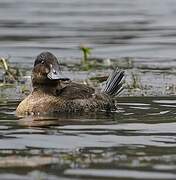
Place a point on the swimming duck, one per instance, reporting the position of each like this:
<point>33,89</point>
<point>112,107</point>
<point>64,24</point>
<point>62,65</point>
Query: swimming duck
<point>53,93</point>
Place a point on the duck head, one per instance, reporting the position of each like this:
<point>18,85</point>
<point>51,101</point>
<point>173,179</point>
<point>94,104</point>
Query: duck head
<point>46,69</point>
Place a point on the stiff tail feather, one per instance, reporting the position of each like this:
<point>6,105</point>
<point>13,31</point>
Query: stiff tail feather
<point>114,83</point>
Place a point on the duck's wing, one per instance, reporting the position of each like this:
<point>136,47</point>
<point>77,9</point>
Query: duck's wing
<point>74,90</point>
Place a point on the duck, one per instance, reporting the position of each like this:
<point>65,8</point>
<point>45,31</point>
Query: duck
<point>54,93</point>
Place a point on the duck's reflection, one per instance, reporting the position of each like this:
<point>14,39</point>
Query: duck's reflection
<point>65,119</point>
<point>38,121</point>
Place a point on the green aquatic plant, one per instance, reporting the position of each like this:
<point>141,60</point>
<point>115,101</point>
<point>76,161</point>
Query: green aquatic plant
<point>88,63</point>
<point>86,53</point>
<point>85,63</point>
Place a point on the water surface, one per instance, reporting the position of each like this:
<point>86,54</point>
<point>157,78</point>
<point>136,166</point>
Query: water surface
<point>113,28</point>
<point>136,142</point>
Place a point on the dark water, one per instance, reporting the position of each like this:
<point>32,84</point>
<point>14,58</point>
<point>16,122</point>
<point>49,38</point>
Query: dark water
<point>137,142</point>
<point>113,28</point>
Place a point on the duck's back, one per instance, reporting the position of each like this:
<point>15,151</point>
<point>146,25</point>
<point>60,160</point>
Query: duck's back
<point>80,97</point>
<point>72,91</point>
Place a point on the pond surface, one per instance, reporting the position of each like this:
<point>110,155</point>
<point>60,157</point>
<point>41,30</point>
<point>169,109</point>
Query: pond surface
<point>113,28</point>
<point>137,142</point>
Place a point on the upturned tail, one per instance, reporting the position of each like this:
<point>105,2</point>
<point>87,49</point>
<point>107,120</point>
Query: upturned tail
<point>114,83</point>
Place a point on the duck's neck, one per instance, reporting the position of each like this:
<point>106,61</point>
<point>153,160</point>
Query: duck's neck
<point>47,88</point>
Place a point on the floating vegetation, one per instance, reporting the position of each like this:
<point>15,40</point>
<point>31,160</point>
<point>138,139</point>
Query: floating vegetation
<point>11,81</point>
<point>99,79</point>
<point>25,89</point>
<point>140,79</point>
<point>88,63</point>
<point>136,83</point>
<point>134,86</point>
<point>10,74</point>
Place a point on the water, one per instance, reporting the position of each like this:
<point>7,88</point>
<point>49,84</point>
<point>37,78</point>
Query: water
<point>137,142</point>
<point>113,28</point>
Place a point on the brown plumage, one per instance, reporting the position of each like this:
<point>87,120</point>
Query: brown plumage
<point>54,93</point>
